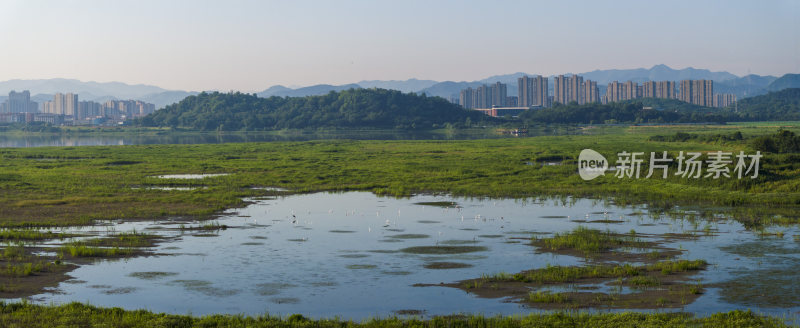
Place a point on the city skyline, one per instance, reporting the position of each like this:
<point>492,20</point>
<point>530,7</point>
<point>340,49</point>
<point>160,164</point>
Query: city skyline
<point>254,45</point>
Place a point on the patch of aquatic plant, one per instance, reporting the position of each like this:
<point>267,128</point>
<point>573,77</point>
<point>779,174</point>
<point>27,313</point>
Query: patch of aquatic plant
<point>28,235</point>
<point>24,269</point>
<point>152,275</point>
<point>458,242</point>
<point>438,204</point>
<point>204,287</point>
<point>272,288</point>
<point>561,274</point>
<point>79,250</point>
<point>774,286</point>
<point>759,249</point>
<point>409,236</point>
<point>213,226</point>
<point>120,291</point>
<point>123,239</point>
<point>589,240</point>
<point>547,297</point>
<point>361,266</point>
<point>447,265</point>
<point>83,315</point>
<point>396,273</point>
<point>442,250</point>
<point>15,251</point>
<point>643,281</point>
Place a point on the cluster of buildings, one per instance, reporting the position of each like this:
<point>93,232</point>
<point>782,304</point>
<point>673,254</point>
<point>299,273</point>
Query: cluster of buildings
<point>534,92</point>
<point>67,109</point>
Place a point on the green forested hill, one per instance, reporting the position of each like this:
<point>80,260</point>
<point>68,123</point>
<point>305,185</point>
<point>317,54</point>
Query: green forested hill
<point>780,105</point>
<point>354,108</point>
<point>627,112</point>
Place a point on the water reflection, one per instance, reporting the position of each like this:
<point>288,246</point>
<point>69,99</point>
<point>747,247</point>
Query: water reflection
<point>309,253</point>
<point>70,140</point>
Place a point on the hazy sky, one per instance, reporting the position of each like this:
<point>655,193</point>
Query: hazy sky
<point>251,45</point>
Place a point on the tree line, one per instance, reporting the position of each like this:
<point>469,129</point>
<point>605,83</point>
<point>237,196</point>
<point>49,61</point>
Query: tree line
<point>354,108</point>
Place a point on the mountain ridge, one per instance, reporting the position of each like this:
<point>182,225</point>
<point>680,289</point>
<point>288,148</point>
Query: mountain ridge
<point>725,82</point>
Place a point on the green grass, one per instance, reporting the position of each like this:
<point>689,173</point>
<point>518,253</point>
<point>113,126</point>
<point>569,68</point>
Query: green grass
<point>27,235</point>
<point>589,240</point>
<point>644,281</point>
<point>547,297</point>
<point>56,186</point>
<point>124,239</point>
<point>213,226</point>
<point>82,315</point>
<point>561,274</point>
<point>80,250</point>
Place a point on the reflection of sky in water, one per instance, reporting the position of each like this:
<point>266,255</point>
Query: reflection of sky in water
<point>339,257</point>
<point>212,138</point>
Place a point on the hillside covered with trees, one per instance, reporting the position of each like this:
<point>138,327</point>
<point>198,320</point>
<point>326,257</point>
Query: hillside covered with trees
<point>782,105</point>
<point>625,112</point>
<point>354,108</point>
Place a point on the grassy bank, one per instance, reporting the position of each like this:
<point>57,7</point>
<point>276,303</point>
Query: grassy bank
<point>75,185</point>
<point>81,315</point>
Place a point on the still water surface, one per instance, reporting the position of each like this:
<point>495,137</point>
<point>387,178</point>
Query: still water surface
<point>341,254</point>
<point>71,140</point>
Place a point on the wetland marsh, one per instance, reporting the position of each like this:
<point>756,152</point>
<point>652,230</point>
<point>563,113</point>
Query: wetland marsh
<point>426,228</point>
<point>301,253</point>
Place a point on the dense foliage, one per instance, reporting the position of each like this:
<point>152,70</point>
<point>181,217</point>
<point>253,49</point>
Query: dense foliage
<point>81,315</point>
<point>781,105</point>
<point>782,142</point>
<point>354,108</point>
<point>684,137</point>
<point>621,112</point>
<point>73,185</point>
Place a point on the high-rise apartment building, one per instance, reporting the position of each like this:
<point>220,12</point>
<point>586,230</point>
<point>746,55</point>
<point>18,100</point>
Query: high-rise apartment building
<point>614,92</point>
<point>576,93</point>
<point>465,98</point>
<point>590,92</point>
<point>19,102</point>
<point>630,90</point>
<point>698,92</point>
<point>483,97</point>
<point>665,89</point>
<point>525,91</point>
<point>561,89</point>
<point>70,104</point>
<point>58,104</point>
<point>540,92</point>
<point>649,89</point>
<point>723,100</point>
<point>499,94</point>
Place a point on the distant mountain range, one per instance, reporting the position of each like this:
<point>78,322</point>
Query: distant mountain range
<point>44,89</point>
<point>728,83</point>
<point>742,87</point>
<point>314,90</point>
